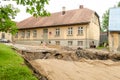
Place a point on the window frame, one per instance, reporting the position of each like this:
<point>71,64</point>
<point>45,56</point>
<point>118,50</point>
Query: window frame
<point>70,43</point>
<point>80,43</point>
<point>16,35</point>
<point>23,34</point>
<point>57,32</point>
<point>80,30</point>
<point>28,34</point>
<point>57,42</point>
<point>35,33</point>
<point>70,31</point>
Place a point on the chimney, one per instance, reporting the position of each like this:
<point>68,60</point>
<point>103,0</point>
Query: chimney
<point>63,10</point>
<point>81,7</point>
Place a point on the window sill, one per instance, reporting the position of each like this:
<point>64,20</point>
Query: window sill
<point>79,34</point>
<point>34,37</point>
<point>57,35</point>
<point>69,35</point>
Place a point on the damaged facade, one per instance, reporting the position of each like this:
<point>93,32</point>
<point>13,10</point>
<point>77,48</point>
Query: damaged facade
<point>79,27</point>
<point>114,29</point>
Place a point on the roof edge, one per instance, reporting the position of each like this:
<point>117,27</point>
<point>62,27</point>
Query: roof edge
<point>56,25</point>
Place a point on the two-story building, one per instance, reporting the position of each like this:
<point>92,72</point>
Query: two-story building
<point>114,29</point>
<point>79,27</point>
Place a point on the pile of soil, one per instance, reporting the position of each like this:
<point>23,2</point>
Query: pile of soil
<point>69,54</point>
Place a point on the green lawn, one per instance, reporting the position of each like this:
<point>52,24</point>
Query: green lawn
<point>12,66</point>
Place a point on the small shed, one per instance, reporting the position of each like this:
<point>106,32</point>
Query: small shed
<point>114,29</point>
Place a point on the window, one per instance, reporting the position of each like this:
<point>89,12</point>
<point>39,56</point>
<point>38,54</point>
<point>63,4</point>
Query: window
<point>80,30</point>
<point>70,31</point>
<point>70,43</point>
<point>16,36</point>
<point>41,42</point>
<point>3,35</point>
<point>57,31</point>
<point>49,42</point>
<point>80,43</point>
<point>22,34</point>
<point>28,34</point>
<point>57,42</point>
<point>34,33</point>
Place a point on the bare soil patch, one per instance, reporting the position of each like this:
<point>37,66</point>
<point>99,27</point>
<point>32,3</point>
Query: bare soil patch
<point>65,63</point>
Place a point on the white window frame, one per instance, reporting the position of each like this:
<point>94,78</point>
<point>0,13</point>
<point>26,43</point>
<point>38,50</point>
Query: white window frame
<point>57,32</point>
<point>70,30</point>
<point>80,30</point>
<point>70,43</point>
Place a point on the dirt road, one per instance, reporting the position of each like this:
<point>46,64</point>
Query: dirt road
<point>84,70</point>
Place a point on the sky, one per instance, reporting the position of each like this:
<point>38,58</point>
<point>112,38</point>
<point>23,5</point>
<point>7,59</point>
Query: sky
<point>99,6</point>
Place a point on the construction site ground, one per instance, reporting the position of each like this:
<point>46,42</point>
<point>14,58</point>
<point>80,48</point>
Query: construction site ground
<point>57,63</point>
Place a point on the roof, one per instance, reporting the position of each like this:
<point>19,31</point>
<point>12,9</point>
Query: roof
<point>114,19</point>
<point>77,16</point>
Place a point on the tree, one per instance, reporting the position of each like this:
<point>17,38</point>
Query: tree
<point>105,19</point>
<point>7,13</point>
<point>34,7</point>
<point>118,4</point>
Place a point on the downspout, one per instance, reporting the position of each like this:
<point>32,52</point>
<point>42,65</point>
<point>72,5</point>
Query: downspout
<point>86,37</point>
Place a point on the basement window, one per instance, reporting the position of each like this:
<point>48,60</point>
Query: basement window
<point>70,43</point>
<point>57,42</point>
<point>80,43</point>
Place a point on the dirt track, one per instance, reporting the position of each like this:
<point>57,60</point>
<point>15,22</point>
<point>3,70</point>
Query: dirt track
<point>83,70</point>
<point>71,67</point>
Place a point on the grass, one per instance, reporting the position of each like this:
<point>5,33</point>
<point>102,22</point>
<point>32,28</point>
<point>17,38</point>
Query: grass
<point>100,47</point>
<point>12,66</point>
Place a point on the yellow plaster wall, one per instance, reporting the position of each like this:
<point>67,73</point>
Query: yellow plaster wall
<point>63,33</point>
<point>113,41</point>
<point>94,29</point>
<point>8,36</point>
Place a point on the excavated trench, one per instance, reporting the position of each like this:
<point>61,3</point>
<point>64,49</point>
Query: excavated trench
<point>67,54</point>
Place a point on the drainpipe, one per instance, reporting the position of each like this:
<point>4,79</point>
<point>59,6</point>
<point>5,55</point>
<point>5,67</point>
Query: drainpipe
<point>86,38</point>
